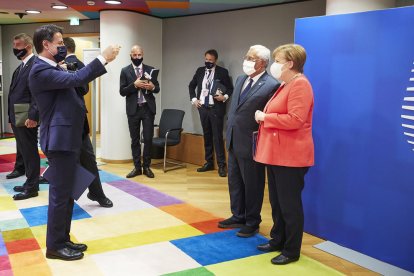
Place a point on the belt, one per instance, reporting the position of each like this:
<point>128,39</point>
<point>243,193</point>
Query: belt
<point>142,104</point>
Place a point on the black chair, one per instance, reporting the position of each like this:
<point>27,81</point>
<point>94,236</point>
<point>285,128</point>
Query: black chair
<point>170,129</point>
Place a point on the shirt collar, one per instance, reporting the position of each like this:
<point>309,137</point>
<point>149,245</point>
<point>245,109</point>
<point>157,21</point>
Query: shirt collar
<point>49,61</point>
<point>140,66</point>
<point>257,77</point>
<point>27,59</point>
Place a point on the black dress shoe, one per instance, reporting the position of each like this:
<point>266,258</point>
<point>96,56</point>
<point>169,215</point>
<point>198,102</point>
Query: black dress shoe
<point>148,172</point>
<point>25,195</point>
<point>230,223</point>
<point>18,189</point>
<point>66,254</point>
<point>14,174</point>
<point>267,247</point>
<point>222,171</point>
<point>104,201</point>
<point>247,231</point>
<point>76,246</point>
<point>282,260</point>
<point>206,167</point>
<point>43,180</point>
<point>134,173</point>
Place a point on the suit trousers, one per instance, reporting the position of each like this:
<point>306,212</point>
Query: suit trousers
<point>212,124</point>
<point>19,165</point>
<point>144,115</point>
<point>88,161</point>
<point>26,140</point>
<point>285,193</point>
<point>246,180</point>
<point>61,202</point>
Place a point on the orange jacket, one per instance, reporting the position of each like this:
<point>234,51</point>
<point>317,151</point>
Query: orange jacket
<point>285,136</point>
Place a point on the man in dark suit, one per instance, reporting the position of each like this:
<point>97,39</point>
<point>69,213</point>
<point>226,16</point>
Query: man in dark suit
<point>213,90</point>
<point>87,155</point>
<point>246,177</point>
<point>26,136</point>
<point>62,114</point>
<point>138,87</point>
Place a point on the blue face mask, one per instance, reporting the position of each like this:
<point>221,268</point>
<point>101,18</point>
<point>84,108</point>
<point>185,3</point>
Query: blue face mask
<point>61,53</point>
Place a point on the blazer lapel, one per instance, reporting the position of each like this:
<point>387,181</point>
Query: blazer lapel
<point>132,73</point>
<point>238,88</point>
<point>260,82</point>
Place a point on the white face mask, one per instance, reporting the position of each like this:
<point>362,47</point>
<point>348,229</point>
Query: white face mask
<point>276,70</point>
<point>248,67</point>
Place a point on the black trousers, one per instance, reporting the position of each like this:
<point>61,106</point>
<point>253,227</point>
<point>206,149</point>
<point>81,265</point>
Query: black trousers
<point>88,161</point>
<point>246,180</point>
<point>285,193</point>
<point>144,115</point>
<point>19,165</point>
<point>212,123</point>
<point>61,202</point>
<point>26,139</point>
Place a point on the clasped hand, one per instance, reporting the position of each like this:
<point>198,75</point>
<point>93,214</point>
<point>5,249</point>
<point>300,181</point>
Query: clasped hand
<point>144,84</point>
<point>30,123</point>
<point>259,116</point>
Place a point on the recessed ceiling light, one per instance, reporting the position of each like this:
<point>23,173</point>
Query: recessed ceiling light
<point>32,11</point>
<point>59,6</point>
<point>113,2</point>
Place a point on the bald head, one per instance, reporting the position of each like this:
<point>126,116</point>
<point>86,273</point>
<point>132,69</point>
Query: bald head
<point>137,51</point>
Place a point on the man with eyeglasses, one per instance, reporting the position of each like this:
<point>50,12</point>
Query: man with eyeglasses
<point>246,177</point>
<point>213,90</point>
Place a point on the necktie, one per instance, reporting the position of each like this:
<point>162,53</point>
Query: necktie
<point>140,94</point>
<point>245,91</point>
<point>207,98</point>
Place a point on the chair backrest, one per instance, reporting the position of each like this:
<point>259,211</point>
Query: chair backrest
<point>171,119</point>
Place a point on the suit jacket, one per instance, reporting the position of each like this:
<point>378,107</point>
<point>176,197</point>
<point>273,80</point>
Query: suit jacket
<point>221,75</point>
<point>241,123</point>
<point>128,90</point>
<point>82,90</point>
<point>285,136</point>
<point>61,110</point>
<point>20,92</point>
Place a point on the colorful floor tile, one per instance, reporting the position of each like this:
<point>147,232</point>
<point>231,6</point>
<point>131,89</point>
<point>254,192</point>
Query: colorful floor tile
<point>146,233</point>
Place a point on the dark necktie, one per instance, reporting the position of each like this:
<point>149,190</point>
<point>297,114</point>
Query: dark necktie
<point>245,91</point>
<point>207,98</point>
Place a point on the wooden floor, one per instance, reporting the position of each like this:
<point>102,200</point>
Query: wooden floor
<point>209,192</point>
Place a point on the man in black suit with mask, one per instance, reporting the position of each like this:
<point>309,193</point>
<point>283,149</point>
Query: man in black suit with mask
<point>87,155</point>
<point>138,87</point>
<point>26,135</point>
<point>213,90</point>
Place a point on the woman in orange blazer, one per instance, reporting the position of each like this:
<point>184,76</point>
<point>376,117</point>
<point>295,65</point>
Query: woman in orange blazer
<point>285,145</point>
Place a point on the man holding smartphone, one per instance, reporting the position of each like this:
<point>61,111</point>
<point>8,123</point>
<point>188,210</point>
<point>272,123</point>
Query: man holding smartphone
<point>213,90</point>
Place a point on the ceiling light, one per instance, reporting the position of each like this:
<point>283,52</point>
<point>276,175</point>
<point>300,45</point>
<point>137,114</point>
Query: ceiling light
<point>32,11</point>
<point>90,3</point>
<point>59,6</point>
<point>113,2</point>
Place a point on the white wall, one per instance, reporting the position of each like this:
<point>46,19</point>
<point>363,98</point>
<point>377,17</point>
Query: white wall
<point>186,39</point>
<point>126,29</point>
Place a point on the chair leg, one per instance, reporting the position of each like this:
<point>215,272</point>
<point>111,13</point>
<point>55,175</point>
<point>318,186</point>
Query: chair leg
<point>165,156</point>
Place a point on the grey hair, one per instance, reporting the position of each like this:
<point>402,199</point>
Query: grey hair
<point>262,52</point>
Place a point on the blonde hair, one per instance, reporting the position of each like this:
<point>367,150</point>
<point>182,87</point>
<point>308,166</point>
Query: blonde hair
<point>292,52</point>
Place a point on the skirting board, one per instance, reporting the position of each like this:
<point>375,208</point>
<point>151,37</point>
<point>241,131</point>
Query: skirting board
<point>361,259</point>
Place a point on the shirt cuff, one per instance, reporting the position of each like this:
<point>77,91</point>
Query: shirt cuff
<point>226,97</point>
<point>102,59</point>
<point>193,100</point>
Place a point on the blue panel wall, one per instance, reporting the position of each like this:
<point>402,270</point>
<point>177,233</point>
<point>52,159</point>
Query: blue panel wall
<point>360,194</point>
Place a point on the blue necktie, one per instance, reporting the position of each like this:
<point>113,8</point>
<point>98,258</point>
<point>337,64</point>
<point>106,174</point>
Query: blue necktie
<point>245,91</point>
<point>207,98</point>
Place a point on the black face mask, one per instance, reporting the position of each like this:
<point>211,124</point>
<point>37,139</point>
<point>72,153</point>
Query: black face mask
<point>137,61</point>
<point>209,65</point>
<point>61,54</point>
<point>19,53</point>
